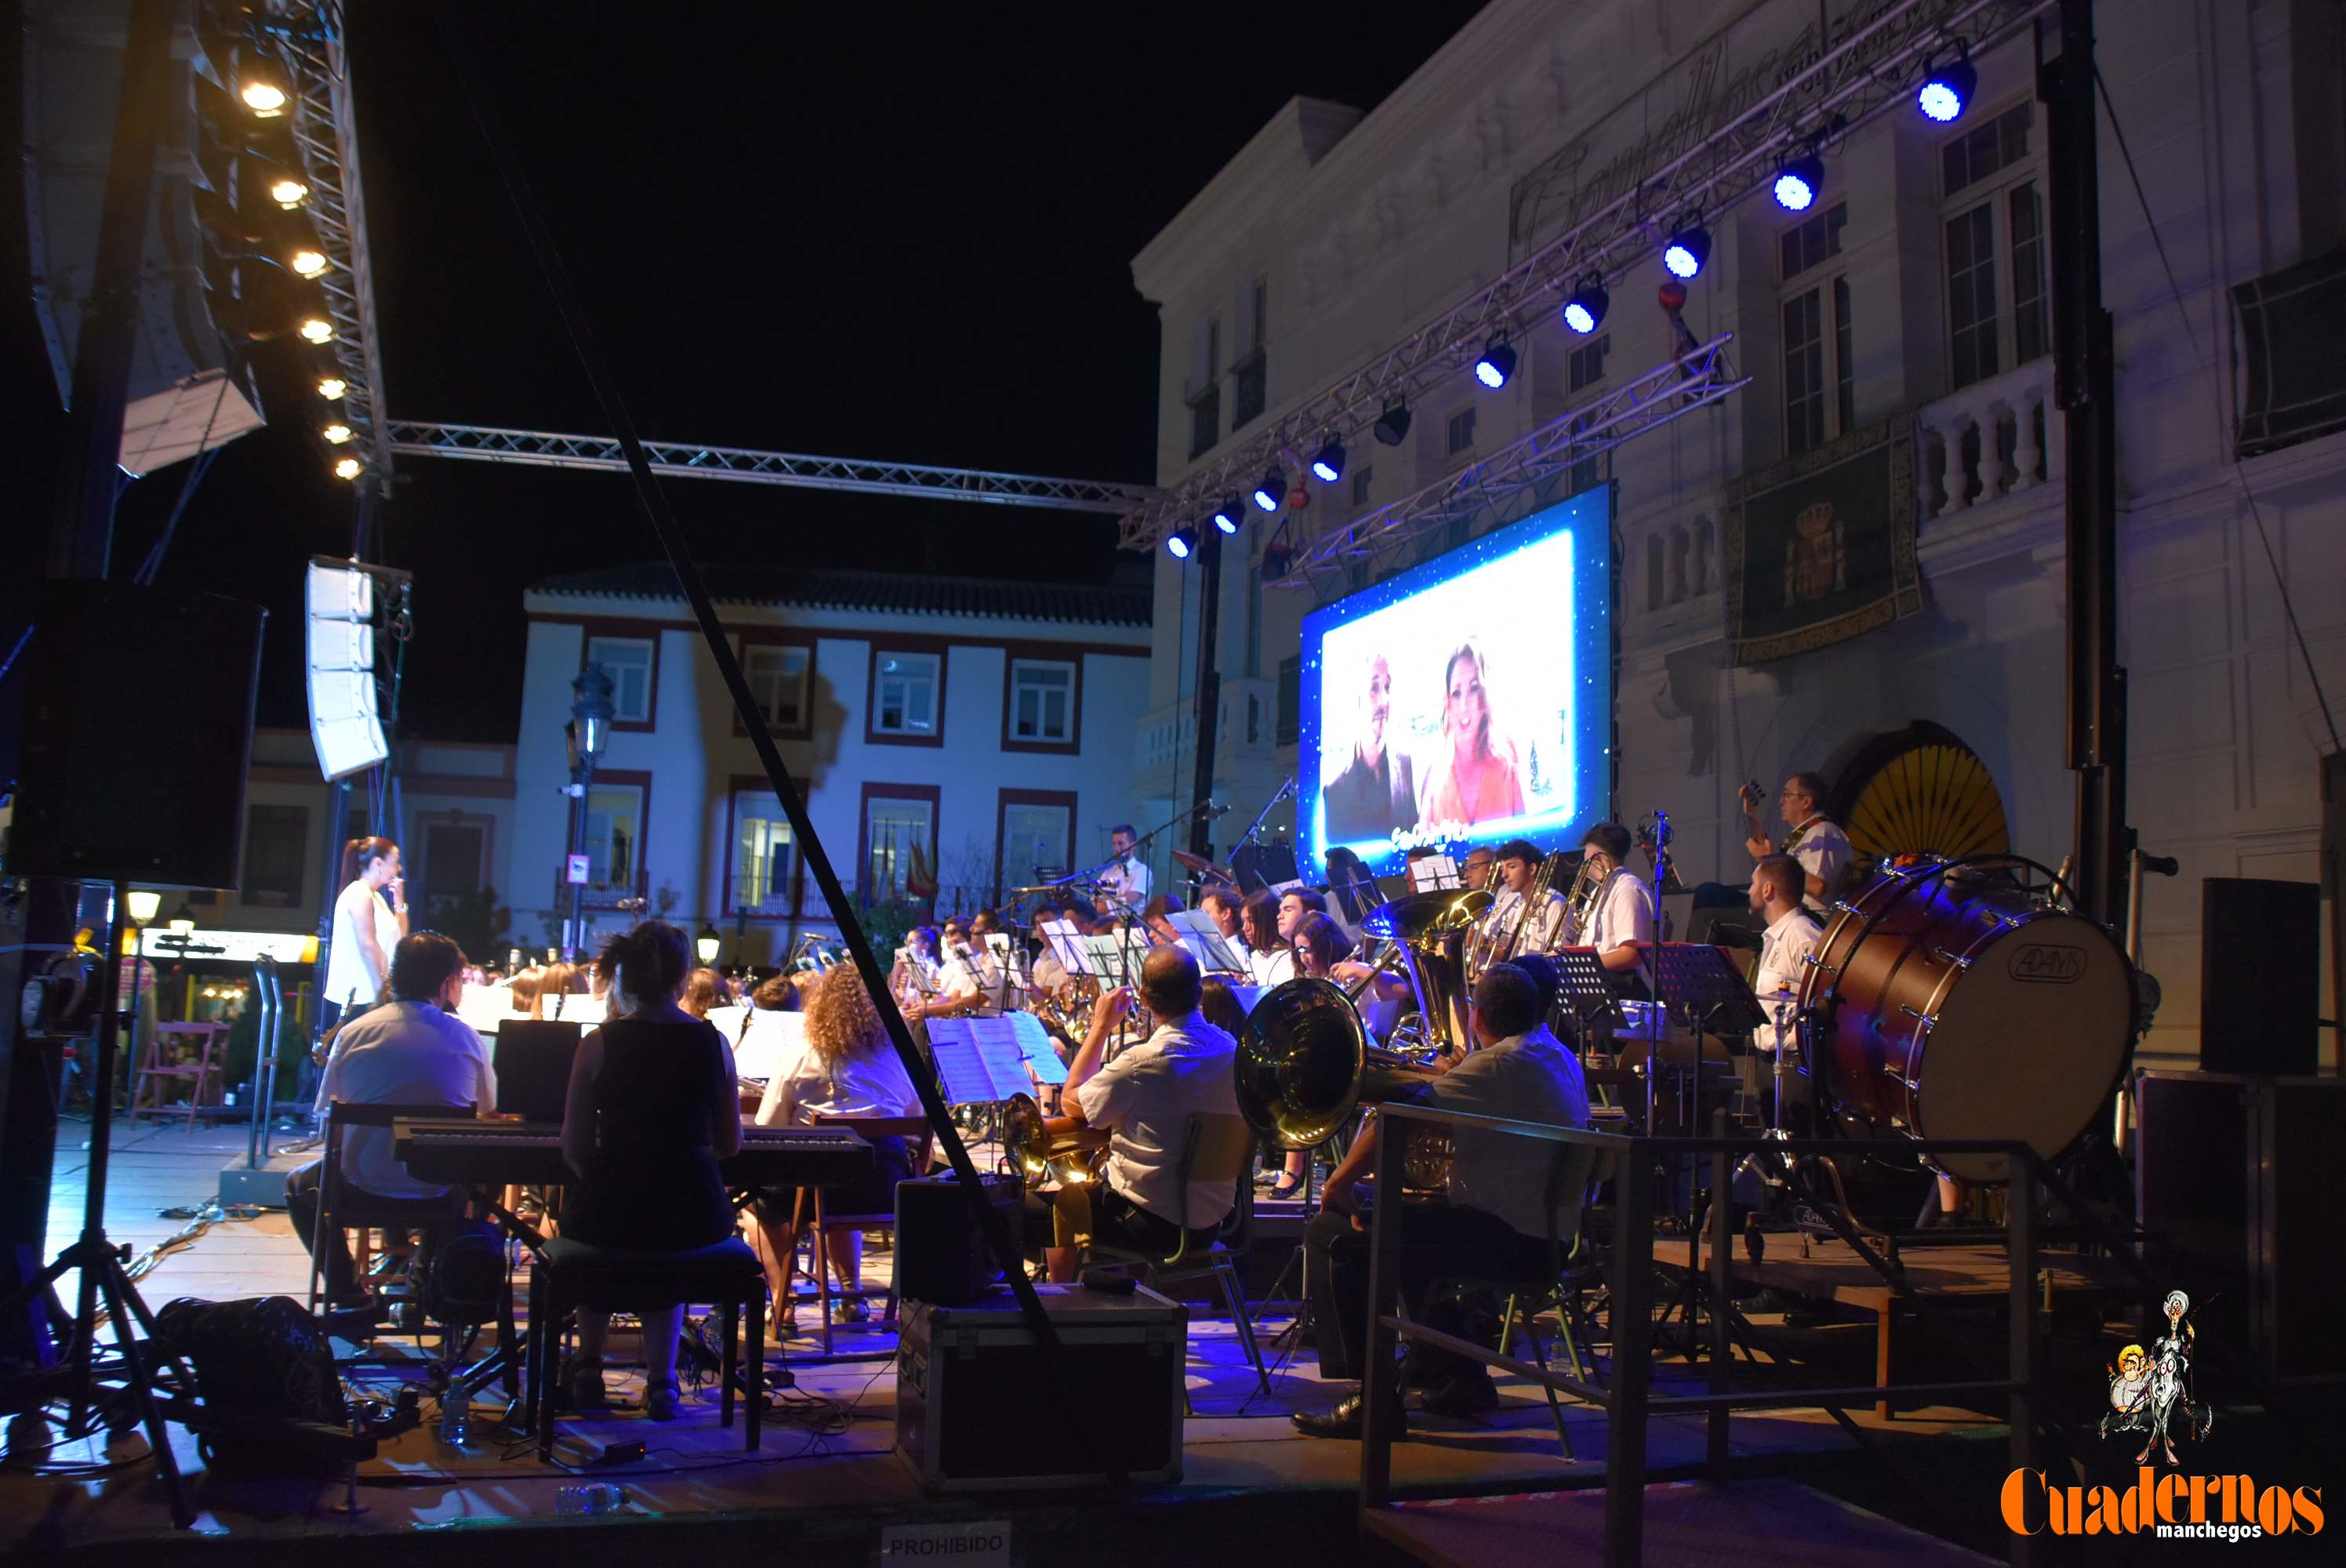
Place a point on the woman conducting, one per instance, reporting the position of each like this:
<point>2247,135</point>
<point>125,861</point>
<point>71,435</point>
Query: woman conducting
<point>652,1108</point>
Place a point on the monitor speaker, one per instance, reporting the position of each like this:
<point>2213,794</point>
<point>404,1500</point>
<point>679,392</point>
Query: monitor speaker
<point>940,1253</point>
<point>2259,975</point>
<point>137,735</point>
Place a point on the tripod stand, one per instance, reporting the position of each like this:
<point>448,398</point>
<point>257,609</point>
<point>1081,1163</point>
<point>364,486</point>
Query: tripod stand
<point>98,1389</point>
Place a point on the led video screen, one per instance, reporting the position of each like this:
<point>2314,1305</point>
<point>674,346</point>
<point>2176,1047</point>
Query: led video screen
<point>1468,700</point>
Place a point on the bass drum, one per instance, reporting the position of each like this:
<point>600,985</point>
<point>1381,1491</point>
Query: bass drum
<point>1945,1004</point>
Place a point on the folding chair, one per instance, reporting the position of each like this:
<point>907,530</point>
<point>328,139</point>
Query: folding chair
<point>340,1208</point>
<point>828,1226</point>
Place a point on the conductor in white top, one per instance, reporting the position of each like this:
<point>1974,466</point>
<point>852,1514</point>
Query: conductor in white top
<point>1142,1101</point>
<point>366,927</point>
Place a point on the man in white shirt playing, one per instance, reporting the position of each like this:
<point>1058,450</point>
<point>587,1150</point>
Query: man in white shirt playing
<point>1126,881</point>
<point>1620,923</point>
<point>1494,1225</point>
<point>1791,934</point>
<point>1506,923</point>
<point>1142,1101</point>
<point>410,1051</point>
<point>1822,849</point>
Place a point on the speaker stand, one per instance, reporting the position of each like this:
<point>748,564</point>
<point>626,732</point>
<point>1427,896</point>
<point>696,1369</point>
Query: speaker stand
<point>100,1388</point>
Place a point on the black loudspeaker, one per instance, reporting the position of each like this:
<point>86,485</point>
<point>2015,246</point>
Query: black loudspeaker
<point>941,1254</point>
<point>2259,975</point>
<point>137,735</point>
<point>2237,1179</point>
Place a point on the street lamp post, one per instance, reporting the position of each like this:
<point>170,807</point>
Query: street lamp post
<point>589,732</point>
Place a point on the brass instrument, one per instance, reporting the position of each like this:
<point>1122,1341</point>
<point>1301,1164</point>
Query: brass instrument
<point>1430,930</point>
<point>1488,948</point>
<point>1578,902</point>
<point>1305,1064</point>
<point>1044,1146</point>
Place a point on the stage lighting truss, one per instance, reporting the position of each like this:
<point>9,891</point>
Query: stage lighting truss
<point>681,460</point>
<point>1520,477</point>
<point>1710,163</point>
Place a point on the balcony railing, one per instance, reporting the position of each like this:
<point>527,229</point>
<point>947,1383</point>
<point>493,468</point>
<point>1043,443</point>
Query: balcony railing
<point>1993,438</point>
<point>1250,728</point>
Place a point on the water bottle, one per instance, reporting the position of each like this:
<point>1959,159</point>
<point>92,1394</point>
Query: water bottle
<point>594,1496</point>
<point>455,1422</point>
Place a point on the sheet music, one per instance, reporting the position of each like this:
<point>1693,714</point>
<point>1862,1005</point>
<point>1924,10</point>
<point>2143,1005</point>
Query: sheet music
<point>976,1069</point>
<point>771,1047</point>
<point>485,1007</point>
<point>1433,874</point>
<point>1111,960</point>
<point>1025,1035</point>
<point>1206,941</point>
<point>1067,946</point>
<point>730,1022</point>
<point>586,1009</point>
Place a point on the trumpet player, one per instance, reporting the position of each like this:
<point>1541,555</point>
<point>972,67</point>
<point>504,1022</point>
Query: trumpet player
<point>1619,926</point>
<point>1142,1102</point>
<point>1517,921</point>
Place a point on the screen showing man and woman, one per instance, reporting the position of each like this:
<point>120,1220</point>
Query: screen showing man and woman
<point>1465,701</point>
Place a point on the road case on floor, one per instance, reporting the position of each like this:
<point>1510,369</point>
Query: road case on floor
<point>981,1405</point>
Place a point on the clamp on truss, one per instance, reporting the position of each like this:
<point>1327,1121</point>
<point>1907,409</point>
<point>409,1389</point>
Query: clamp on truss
<point>1697,378</point>
<point>1735,155</point>
<point>326,132</point>
<point>682,459</point>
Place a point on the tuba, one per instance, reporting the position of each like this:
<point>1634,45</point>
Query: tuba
<point>1040,1150</point>
<point>1305,1064</point>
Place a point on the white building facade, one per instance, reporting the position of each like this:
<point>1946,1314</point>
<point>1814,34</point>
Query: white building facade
<point>949,734</point>
<point>1914,292</point>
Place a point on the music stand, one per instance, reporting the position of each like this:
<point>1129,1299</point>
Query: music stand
<point>1583,988</point>
<point>1259,867</point>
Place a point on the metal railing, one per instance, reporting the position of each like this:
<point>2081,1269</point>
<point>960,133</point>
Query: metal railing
<point>1627,1398</point>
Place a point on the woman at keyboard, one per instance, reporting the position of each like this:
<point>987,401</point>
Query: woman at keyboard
<point>652,1108</point>
<point>848,1069</point>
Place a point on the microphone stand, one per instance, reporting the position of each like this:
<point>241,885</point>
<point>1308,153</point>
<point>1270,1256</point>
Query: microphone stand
<point>1284,790</point>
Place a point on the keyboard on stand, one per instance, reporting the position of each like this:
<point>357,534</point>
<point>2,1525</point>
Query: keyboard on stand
<point>529,1154</point>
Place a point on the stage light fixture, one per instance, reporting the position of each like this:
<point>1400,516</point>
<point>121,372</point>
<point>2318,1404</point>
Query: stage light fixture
<point>1228,514</point>
<point>1497,363</point>
<point>1183,543</point>
<point>336,434</point>
<point>1798,180</point>
<point>317,329</point>
<point>1392,425</point>
<point>348,468</point>
<point>306,262</point>
<point>1946,92</point>
<point>1584,311</point>
<point>1687,249</point>
<point>1328,463</point>
<point>288,192</point>
<point>332,386</point>
<point>1273,490</point>
<point>262,86</point>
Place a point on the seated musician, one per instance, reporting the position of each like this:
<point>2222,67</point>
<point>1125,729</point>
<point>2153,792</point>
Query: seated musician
<point>1493,1225</point>
<point>1620,924</point>
<point>1222,903</point>
<point>1157,915</point>
<point>1507,927</point>
<point>1480,869</point>
<point>1323,954</point>
<point>652,1107</point>
<point>1778,889</point>
<point>411,1050</point>
<point>849,1068</point>
<point>704,989</point>
<point>1142,1101</point>
<point>1268,958</point>
<point>1294,904</point>
<point>521,992</point>
<point>969,985</point>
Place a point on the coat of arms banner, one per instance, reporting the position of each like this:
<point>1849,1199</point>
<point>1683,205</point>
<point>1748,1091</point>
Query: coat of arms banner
<point>1821,548</point>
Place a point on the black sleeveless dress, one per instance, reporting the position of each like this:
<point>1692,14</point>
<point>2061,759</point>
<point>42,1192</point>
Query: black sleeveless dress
<point>653,1184</point>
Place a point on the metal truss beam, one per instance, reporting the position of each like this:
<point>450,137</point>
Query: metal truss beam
<point>325,131</point>
<point>1698,378</point>
<point>1731,157</point>
<point>682,459</point>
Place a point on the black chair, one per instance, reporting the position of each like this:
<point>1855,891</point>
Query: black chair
<point>341,1207</point>
<point>571,1273</point>
<point>1214,1149</point>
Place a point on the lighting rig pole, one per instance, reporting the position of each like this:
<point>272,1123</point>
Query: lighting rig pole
<point>590,730</point>
<point>2084,380</point>
<point>1209,684</point>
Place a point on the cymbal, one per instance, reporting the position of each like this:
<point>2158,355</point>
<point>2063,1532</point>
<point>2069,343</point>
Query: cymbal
<point>1203,866</point>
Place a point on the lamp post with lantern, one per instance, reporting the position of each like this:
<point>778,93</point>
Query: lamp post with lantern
<point>589,732</point>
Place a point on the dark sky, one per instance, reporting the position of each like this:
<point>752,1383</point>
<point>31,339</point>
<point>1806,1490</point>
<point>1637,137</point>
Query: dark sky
<point>909,241</point>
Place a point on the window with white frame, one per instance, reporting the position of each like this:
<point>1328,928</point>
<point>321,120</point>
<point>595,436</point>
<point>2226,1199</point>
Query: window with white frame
<point>1995,248</point>
<point>1036,838</point>
<point>614,837</point>
<point>629,662</point>
<point>1042,700</point>
<point>904,693</point>
<point>762,843</point>
<point>1460,432</point>
<point>1819,381</point>
<point>777,674</point>
<point>899,836</point>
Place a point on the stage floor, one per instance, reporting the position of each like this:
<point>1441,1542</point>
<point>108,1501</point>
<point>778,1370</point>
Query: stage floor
<point>827,1449</point>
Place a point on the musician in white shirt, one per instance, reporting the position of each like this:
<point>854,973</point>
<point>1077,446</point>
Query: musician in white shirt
<point>1791,936</point>
<point>358,957</point>
<point>1125,883</point>
<point>1506,922</point>
<point>1821,847</point>
<point>1621,917</point>
<point>1269,960</point>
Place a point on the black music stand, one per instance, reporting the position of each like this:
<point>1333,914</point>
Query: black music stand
<point>1586,991</point>
<point>1698,977</point>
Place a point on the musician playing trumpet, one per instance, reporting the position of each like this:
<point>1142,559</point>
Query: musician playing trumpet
<point>1514,923</point>
<point>1140,1105</point>
<point>1619,925</point>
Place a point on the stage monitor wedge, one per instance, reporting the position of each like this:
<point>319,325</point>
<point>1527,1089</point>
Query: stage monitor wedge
<point>125,778</point>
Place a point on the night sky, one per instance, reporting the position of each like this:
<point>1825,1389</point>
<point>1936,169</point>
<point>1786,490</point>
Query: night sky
<point>908,242</point>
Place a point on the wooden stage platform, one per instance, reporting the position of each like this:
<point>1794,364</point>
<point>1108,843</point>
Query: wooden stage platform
<point>826,1480</point>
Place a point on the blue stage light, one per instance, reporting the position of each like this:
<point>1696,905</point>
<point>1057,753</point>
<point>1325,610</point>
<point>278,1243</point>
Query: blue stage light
<point>1945,93</point>
<point>1799,180</point>
<point>1687,249</point>
<point>1497,363</point>
<point>1329,462</point>
<point>1271,491</point>
<point>1583,311</point>
<point>1228,514</point>
<point>1182,542</point>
